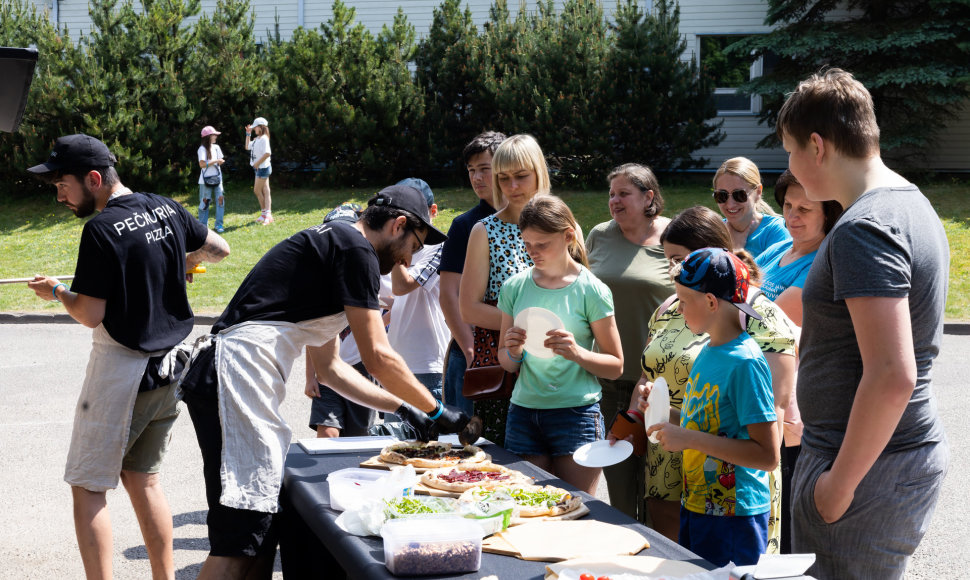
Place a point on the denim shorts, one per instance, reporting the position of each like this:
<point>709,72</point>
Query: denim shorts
<point>553,432</point>
<point>264,172</point>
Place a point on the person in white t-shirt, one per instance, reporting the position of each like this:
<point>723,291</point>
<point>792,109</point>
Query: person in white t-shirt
<point>210,161</point>
<point>260,153</point>
<point>418,331</point>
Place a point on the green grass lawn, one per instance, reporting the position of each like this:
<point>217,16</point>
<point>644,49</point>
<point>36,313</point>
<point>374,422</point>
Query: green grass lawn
<point>39,236</point>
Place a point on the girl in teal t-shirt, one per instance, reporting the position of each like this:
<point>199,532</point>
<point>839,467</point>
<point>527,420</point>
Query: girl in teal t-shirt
<point>555,404</point>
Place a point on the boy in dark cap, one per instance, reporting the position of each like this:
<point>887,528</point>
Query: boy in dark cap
<point>129,286</point>
<point>728,429</point>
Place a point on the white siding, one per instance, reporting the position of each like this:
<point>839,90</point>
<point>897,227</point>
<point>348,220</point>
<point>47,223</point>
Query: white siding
<point>697,17</point>
<point>741,136</point>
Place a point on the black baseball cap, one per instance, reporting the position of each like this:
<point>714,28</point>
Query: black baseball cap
<point>719,272</point>
<point>76,152</point>
<point>410,200</point>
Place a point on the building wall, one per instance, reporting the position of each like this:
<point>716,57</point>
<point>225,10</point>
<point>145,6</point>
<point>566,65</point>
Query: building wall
<point>697,17</point>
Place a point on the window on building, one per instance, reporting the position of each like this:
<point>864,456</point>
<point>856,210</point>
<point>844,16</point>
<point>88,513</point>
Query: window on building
<point>729,71</point>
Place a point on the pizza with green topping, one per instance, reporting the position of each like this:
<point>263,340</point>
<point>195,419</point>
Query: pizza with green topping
<point>532,500</point>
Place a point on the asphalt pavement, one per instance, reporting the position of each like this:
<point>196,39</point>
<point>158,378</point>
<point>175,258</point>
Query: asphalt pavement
<point>41,371</point>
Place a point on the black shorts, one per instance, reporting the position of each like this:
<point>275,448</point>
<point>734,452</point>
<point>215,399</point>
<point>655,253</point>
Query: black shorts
<point>233,532</point>
<point>331,409</point>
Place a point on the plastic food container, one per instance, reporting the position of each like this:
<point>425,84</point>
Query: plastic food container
<point>353,486</point>
<point>438,545</point>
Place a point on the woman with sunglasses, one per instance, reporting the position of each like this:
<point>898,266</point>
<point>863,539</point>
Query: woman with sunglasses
<point>670,352</point>
<point>785,265</point>
<point>753,225</point>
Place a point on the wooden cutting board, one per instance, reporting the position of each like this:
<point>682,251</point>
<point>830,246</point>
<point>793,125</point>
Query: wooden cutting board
<point>552,541</point>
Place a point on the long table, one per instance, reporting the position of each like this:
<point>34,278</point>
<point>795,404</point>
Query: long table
<point>313,546</point>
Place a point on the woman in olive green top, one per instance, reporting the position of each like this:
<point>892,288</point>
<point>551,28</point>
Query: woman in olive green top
<point>625,253</point>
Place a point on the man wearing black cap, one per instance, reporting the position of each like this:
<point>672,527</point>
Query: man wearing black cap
<point>302,293</point>
<point>129,286</point>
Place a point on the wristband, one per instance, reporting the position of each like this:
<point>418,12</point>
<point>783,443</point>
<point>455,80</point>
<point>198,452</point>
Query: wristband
<point>54,290</point>
<point>636,414</point>
<point>513,359</point>
<point>440,410</point>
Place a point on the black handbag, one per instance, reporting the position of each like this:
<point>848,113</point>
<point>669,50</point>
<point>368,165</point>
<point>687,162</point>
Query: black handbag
<point>214,179</point>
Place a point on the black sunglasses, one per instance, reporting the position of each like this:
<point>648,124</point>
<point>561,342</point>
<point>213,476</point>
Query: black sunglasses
<point>739,195</point>
<point>420,243</point>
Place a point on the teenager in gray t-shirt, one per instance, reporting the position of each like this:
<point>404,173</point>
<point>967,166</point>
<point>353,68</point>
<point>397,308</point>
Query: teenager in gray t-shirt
<point>888,243</point>
<point>873,451</point>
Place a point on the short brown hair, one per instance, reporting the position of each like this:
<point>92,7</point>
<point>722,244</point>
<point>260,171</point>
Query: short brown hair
<point>835,105</point>
<point>830,208</point>
<point>643,179</point>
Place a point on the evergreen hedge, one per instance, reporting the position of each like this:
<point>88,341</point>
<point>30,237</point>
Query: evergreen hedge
<point>347,107</point>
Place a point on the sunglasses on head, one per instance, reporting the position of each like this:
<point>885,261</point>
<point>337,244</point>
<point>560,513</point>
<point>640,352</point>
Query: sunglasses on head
<point>739,195</point>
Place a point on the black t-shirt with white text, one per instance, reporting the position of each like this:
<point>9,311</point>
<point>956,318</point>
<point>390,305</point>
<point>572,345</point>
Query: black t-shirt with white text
<point>311,274</point>
<point>132,255</point>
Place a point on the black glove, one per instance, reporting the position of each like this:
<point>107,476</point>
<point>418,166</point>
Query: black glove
<point>418,420</point>
<point>452,419</point>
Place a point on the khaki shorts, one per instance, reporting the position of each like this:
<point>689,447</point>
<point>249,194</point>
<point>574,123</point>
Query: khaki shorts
<point>115,427</point>
<point>151,430</point>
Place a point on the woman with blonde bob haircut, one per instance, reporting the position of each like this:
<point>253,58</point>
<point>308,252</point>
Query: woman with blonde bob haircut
<point>753,225</point>
<point>495,253</point>
<point>519,154</point>
<point>555,406</point>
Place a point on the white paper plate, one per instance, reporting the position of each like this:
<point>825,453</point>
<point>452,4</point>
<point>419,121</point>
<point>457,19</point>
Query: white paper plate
<point>659,409</point>
<point>537,322</point>
<point>602,454</point>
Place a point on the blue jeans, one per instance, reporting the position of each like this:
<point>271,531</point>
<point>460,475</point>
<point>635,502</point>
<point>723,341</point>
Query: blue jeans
<point>455,379</point>
<point>552,432</point>
<point>264,173</point>
<point>206,195</point>
<point>432,381</point>
<point>890,511</point>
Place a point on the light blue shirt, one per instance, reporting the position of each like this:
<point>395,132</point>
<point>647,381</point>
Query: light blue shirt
<point>769,232</point>
<point>776,278</point>
<point>729,389</point>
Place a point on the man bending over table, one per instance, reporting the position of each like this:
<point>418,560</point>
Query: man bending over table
<point>302,293</point>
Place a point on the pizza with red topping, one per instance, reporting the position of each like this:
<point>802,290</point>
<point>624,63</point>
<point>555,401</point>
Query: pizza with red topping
<point>432,454</point>
<point>464,477</point>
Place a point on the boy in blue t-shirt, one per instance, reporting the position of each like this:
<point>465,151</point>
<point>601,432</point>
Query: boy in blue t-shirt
<point>728,429</point>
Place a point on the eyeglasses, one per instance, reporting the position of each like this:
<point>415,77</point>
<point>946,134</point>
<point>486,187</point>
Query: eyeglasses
<point>420,243</point>
<point>739,195</point>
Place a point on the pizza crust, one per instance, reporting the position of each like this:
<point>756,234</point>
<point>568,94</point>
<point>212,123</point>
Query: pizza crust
<point>435,479</point>
<point>566,503</point>
<point>444,454</point>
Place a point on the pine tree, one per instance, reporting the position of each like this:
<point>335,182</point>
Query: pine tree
<point>914,57</point>
<point>227,79</point>
<point>661,105</point>
<point>451,83</point>
<point>51,109</point>
<point>131,88</point>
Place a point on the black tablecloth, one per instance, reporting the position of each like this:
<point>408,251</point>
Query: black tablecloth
<point>311,544</point>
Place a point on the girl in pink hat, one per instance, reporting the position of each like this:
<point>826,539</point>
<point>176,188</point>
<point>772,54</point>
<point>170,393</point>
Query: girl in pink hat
<point>210,178</point>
